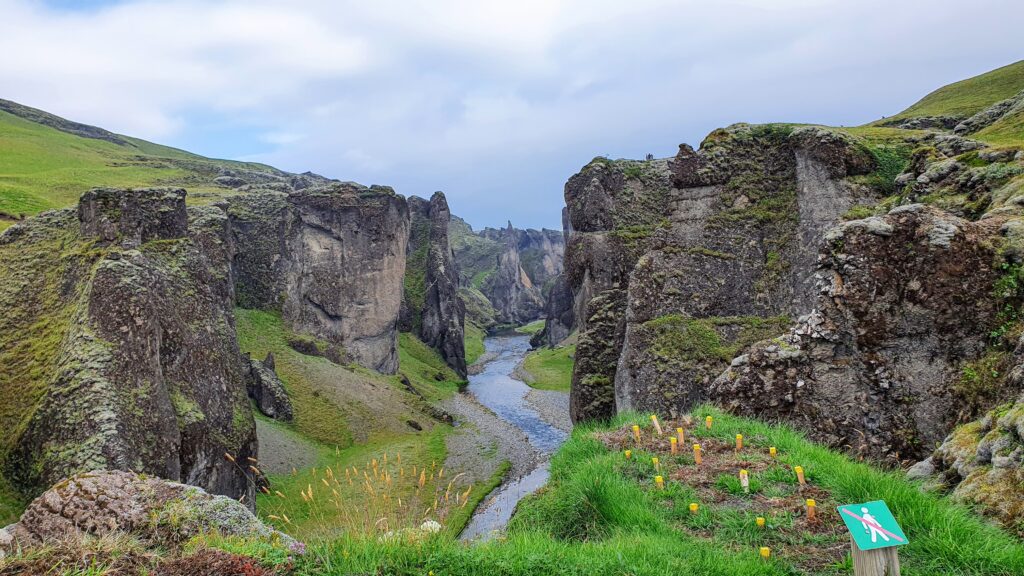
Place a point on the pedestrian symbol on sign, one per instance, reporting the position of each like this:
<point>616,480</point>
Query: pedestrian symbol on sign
<point>872,525</point>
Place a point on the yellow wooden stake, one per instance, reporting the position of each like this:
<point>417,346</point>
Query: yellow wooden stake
<point>759,521</point>
<point>657,426</point>
<point>745,481</point>
<point>694,507</point>
<point>629,453</point>
<point>657,467</point>
<point>672,444</point>
<point>800,475</point>
<point>765,552</point>
<point>659,482</point>
<point>681,435</point>
<point>707,422</point>
<point>696,453</point>
<point>739,442</point>
<point>772,452</point>
<point>811,509</point>
<point>636,432</point>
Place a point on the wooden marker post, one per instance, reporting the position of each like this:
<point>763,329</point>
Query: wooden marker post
<point>800,476</point>
<point>881,562</point>
<point>772,452</point>
<point>759,521</point>
<point>694,507</point>
<point>672,444</point>
<point>681,435</point>
<point>657,426</point>
<point>739,442</point>
<point>659,482</point>
<point>745,481</point>
<point>629,454</point>
<point>766,552</point>
<point>636,433</point>
<point>812,508</point>
<point>696,454</point>
<point>657,466</point>
<point>708,421</point>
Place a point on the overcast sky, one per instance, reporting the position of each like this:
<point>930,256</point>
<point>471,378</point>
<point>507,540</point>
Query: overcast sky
<point>495,103</point>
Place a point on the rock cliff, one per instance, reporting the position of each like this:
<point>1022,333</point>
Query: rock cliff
<point>432,307</point>
<point>120,350</point>
<point>675,265</point>
<point>331,259</point>
<point>513,269</point>
<point>876,367</point>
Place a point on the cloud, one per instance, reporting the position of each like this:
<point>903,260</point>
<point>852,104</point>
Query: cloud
<point>496,103</point>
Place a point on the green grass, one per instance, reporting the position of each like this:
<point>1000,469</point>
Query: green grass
<point>550,368</point>
<point>1008,131</point>
<point>11,504</point>
<point>970,96</point>
<point>316,416</point>
<point>425,368</point>
<point>531,328</point>
<point>600,514</point>
<point>474,343</point>
<point>43,168</point>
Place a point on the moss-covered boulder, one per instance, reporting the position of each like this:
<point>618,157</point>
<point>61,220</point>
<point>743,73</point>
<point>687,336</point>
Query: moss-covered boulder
<point>158,512</point>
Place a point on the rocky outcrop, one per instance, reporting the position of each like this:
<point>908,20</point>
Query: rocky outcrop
<point>516,299</point>
<point>432,307</point>
<point>158,512</point>
<point>676,265</point>
<point>120,350</point>
<point>331,259</point>
<point>878,366</point>
<point>513,269</point>
<point>267,390</point>
<point>992,114</point>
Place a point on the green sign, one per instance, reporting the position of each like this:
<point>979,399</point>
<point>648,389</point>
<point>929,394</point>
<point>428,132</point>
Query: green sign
<point>872,525</point>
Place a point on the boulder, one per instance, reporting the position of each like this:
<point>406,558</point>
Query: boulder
<point>267,390</point>
<point>158,512</point>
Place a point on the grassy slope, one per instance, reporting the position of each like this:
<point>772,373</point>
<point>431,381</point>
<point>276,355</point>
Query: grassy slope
<point>970,96</point>
<point>43,168</point>
<point>329,422</point>
<point>602,515</point>
<point>474,342</point>
<point>550,368</point>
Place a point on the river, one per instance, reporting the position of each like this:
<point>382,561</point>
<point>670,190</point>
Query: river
<point>495,388</point>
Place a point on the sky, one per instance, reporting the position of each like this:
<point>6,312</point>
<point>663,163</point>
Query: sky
<point>495,103</point>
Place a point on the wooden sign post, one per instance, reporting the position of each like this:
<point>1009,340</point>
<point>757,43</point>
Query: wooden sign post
<point>874,538</point>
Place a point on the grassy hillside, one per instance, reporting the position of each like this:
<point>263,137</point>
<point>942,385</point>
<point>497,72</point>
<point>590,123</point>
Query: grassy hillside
<point>970,96</point>
<point>42,167</point>
<point>603,514</point>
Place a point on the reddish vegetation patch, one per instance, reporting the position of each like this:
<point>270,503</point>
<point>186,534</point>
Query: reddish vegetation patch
<point>724,508</point>
<point>212,563</point>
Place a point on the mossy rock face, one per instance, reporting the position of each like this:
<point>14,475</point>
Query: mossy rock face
<point>134,362</point>
<point>727,231</point>
<point>905,299</point>
<point>432,307</point>
<point>158,512</point>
